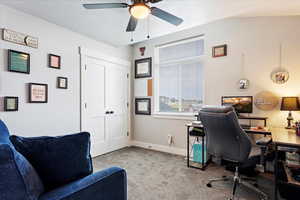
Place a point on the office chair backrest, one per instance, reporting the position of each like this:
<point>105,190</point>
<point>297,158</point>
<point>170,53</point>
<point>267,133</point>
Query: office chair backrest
<point>225,138</point>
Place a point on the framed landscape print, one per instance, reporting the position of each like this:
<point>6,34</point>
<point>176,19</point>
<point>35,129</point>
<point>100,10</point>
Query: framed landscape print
<point>38,93</point>
<point>143,68</point>
<point>18,62</point>
<point>219,51</point>
<point>143,106</point>
<point>62,82</point>
<point>11,103</point>
<point>54,61</point>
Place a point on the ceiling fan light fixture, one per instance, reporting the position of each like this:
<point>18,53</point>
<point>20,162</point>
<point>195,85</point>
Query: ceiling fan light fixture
<point>140,10</point>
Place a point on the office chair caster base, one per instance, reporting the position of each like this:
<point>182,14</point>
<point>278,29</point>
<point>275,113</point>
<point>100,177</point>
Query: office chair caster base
<point>255,185</point>
<point>263,198</point>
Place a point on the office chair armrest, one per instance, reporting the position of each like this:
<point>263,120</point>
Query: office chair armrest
<point>264,141</point>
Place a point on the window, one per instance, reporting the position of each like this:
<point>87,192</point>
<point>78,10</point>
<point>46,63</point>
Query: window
<point>179,77</point>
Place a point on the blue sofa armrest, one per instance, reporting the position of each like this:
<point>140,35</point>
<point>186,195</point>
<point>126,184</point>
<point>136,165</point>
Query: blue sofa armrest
<point>108,184</point>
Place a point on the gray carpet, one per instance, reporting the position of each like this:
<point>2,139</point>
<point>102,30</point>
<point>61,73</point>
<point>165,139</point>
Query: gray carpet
<point>159,176</point>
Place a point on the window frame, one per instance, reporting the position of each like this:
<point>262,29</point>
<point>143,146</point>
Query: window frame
<point>174,115</point>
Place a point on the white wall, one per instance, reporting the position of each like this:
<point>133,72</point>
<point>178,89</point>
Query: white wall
<point>61,114</point>
<point>259,39</point>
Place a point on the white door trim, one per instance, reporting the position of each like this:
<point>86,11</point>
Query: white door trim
<point>99,55</point>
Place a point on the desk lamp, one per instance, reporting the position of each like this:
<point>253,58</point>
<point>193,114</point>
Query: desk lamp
<point>290,104</point>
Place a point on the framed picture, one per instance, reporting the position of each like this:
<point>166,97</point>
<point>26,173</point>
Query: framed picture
<point>143,106</point>
<point>219,51</point>
<point>11,103</point>
<point>18,62</point>
<point>38,93</point>
<point>54,61</point>
<point>143,68</point>
<point>62,82</point>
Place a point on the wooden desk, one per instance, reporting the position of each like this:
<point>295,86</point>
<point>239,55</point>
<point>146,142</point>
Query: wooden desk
<point>285,137</point>
<point>282,137</point>
<point>264,119</point>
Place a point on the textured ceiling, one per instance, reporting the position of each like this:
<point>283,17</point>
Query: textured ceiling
<point>109,25</point>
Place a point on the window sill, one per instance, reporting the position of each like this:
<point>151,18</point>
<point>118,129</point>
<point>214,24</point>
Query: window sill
<point>178,116</point>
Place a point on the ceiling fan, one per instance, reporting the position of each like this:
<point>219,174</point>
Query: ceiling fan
<point>139,9</point>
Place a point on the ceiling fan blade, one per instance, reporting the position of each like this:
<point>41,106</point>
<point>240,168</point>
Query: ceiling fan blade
<point>132,24</point>
<point>172,19</point>
<point>105,5</point>
<point>154,1</point>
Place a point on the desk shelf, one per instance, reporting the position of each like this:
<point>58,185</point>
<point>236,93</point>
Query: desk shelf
<point>290,179</point>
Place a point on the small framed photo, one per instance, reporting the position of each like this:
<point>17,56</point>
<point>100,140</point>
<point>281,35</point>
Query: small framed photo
<point>219,51</point>
<point>38,93</point>
<point>18,62</point>
<point>143,68</point>
<point>62,82</point>
<point>54,61</point>
<point>11,103</point>
<point>143,106</point>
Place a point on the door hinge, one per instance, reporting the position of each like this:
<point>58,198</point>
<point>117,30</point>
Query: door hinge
<point>127,104</point>
<point>127,75</point>
<point>85,67</point>
<point>85,105</point>
<point>127,133</point>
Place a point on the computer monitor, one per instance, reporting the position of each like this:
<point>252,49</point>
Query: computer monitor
<point>241,104</point>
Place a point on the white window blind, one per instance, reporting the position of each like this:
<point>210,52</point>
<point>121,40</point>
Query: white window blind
<point>180,77</point>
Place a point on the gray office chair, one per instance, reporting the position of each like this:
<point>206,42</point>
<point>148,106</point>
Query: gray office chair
<point>227,141</point>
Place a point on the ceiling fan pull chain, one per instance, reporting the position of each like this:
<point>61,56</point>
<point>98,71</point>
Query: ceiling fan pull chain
<point>131,37</point>
<point>148,27</point>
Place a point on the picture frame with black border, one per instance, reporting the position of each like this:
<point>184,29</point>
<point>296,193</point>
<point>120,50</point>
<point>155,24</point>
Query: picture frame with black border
<point>143,68</point>
<point>12,63</point>
<point>51,63</point>
<point>11,103</point>
<point>219,51</point>
<point>38,95</point>
<point>62,82</point>
<point>143,106</point>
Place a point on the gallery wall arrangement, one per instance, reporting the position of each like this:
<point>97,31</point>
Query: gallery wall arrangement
<point>143,85</point>
<point>19,62</point>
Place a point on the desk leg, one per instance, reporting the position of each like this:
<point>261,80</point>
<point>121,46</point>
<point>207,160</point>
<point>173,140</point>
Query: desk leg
<point>276,172</point>
<point>188,146</point>
<point>265,123</point>
<point>203,165</point>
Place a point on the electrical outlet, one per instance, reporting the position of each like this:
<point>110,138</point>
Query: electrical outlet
<point>170,139</point>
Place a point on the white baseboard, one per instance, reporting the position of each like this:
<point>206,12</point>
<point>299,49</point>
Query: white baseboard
<point>162,148</point>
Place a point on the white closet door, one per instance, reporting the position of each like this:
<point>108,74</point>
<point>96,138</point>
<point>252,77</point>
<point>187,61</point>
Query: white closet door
<point>116,103</point>
<point>95,117</point>
<point>104,105</point>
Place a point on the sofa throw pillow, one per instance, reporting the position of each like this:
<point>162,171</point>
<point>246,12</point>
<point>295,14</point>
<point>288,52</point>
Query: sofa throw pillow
<point>57,160</point>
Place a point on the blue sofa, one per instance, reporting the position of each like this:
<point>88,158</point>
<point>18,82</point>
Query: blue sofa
<point>20,181</point>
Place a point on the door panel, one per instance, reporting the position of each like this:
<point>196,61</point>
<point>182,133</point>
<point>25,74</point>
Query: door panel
<point>117,98</point>
<point>95,106</point>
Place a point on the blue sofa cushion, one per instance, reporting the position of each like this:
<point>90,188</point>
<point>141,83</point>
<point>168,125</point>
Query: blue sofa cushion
<point>57,160</point>
<point>18,179</point>
<point>108,184</point>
